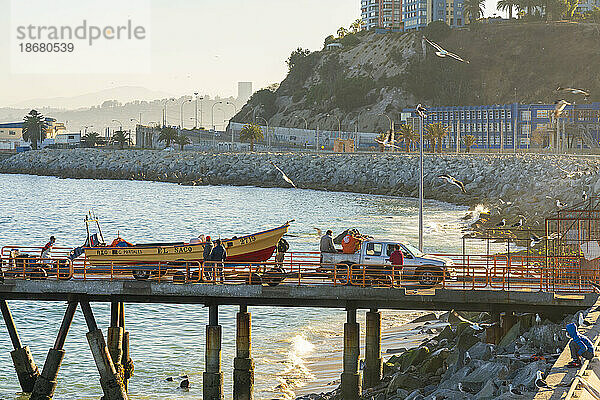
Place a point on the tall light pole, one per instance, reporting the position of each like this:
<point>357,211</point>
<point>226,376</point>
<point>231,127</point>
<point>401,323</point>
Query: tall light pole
<point>181,112</point>
<point>213,114</point>
<point>120,124</point>
<point>235,109</point>
<point>268,137</point>
<point>339,125</point>
<point>165,110</point>
<point>421,114</point>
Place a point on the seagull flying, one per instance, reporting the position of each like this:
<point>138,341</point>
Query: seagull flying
<point>444,53</point>
<point>534,240</point>
<point>585,94</point>
<point>559,107</point>
<point>539,381</point>
<point>319,232</point>
<point>453,181</point>
<point>421,111</point>
<point>501,223</point>
<point>283,175</point>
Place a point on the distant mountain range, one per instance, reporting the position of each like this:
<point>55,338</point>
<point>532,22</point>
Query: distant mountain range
<point>122,94</point>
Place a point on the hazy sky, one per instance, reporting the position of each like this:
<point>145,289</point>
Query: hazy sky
<point>204,45</point>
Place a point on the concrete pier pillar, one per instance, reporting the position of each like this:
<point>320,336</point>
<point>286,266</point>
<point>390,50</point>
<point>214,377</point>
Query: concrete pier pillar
<point>46,383</point>
<point>373,371</point>
<point>243,365</point>
<point>126,360</point>
<point>350,382</point>
<point>111,386</point>
<point>27,371</point>
<point>212,385</point>
<point>114,338</point>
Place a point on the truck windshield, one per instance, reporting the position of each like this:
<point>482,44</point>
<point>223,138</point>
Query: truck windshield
<point>414,250</point>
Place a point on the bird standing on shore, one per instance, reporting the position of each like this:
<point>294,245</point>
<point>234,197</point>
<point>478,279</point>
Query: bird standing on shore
<point>283,175</point>
<point>444,53</point>
<point>539,381</point>
<point>501,224</point>
<point>453,181</point>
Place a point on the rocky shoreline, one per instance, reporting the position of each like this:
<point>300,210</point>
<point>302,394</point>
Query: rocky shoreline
<point>458,364</point>
<point>508,185</point>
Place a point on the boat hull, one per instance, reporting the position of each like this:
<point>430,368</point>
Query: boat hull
<point>258,247</point>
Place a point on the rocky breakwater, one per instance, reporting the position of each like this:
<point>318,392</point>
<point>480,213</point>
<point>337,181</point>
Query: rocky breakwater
<point>508,185</point>
<point>458,364</point>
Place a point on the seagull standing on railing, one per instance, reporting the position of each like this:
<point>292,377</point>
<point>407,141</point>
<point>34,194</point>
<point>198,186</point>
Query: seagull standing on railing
<point>283,175</point>
<point>444,53</point>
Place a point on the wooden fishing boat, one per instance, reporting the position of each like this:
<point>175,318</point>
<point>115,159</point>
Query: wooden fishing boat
<point>257,247</point>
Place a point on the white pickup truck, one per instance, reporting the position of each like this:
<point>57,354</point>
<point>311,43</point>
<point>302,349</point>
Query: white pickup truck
<point>420,268</point>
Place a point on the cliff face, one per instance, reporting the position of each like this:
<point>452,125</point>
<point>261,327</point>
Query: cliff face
<point>376,74</point>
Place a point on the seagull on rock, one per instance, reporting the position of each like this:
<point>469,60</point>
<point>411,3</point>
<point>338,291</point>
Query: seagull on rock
<point>283,175</point>
<point>539,381</point>
<point>467,358</point>
<point>453,181</point>
<point>440,52</point>
<point>518,224</point>
<point>584,196</point>
<point>559,204</point>
<point>514,391</point>
<point>501,224</point>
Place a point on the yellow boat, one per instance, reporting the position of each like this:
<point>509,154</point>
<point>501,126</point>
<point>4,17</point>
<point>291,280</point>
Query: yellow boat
<point>257,247</point>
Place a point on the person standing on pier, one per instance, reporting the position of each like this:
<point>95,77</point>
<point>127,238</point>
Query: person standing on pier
<point>282,247</point>
<point>218,255</point>
<point>397,261</point>
<point>327,243</point>
<point>579,345</point>
<point>48,248</point>
<point>206,257</point>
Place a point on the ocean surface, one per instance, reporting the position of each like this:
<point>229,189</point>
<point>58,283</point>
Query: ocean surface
<point>296,350</point>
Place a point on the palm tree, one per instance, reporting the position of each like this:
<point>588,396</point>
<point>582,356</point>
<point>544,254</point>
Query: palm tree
<point>406,133</point>
<point>437,131</point>
<point>91,139</point>
<point>342,32</point>
<point>168,135</point>
<point>428,136</point>
<point>34,128</point>
<point>356,26</point>
<point>469,141</point>
<point>251,133</point>
<point>120,138</point>
<point>182,140</point>
<point>473,9</point>
<point>506,5</point>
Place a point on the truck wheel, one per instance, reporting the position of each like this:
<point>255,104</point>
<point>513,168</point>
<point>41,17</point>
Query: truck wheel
<point>429,276</point>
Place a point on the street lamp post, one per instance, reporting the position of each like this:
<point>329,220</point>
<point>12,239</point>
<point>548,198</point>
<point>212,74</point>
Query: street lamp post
<point>339,125</point>
<point>165,111</point>
<point>181,112</point>
<point>235,109</point>
<point>213,113</point>
<point>421,117</point>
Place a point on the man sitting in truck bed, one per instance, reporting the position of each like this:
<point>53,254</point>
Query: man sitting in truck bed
<point>327,243</point>
<point>351,242</point>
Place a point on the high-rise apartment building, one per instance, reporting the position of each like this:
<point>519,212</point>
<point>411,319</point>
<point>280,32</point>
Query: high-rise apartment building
<point>385,14</point>
<point>416,14</point>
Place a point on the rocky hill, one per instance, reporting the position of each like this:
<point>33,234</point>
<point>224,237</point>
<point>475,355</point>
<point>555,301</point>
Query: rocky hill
<point>377,73</point>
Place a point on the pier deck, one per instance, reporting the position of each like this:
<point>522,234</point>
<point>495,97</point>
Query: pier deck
<point>291,295</point>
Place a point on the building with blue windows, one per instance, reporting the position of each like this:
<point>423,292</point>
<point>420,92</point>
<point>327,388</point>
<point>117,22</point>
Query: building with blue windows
<point>416,14</point>
<point>504,126</point>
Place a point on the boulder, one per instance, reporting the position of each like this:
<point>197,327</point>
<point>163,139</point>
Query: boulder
<point>403,381</point>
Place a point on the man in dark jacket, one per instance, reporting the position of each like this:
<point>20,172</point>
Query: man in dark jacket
<point>579,345</point>
<point>206,257</point>
<point>327,243</point>
<point>218,254</point>
<point>282,247</point>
